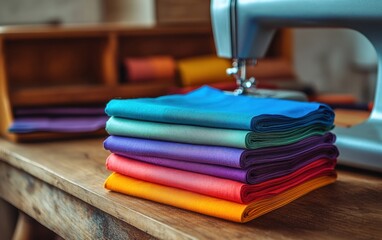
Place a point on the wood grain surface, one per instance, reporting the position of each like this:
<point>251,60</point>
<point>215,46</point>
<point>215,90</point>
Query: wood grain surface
<point>68,216</point>
<point>61,185</point>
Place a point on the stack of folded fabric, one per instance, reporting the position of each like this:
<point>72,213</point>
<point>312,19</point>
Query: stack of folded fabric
<point>232,157</point>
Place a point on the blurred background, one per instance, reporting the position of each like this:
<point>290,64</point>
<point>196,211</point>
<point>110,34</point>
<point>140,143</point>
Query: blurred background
<point>331,60</point>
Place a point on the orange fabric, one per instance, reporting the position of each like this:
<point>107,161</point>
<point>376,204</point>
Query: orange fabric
<point>208,205</point>
<point>158,68</point>
<point>163,67</point>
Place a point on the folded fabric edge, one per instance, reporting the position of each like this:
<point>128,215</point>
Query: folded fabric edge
<point>208,205</point>
<point>323,115</point>
<point>322,167</point>
<point>252,139</point>
<point>262,207</point>
<point>236,191</point>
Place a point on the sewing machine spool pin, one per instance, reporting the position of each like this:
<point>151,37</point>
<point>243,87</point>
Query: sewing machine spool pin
<point>239,71</point>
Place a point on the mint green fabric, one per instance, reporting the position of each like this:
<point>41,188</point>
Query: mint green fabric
<point>209,136</point>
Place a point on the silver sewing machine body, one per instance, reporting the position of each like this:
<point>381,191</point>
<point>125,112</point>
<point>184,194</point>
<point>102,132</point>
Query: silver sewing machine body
<point>243,30</point>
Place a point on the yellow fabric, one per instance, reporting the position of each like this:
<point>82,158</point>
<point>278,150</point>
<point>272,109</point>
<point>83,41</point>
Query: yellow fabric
<point>208,205</point>
<point>203,70</point>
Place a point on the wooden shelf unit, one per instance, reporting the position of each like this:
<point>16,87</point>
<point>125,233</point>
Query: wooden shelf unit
<point>61,66</point>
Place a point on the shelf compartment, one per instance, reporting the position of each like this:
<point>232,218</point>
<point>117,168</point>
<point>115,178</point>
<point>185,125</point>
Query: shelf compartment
<point>54,61</point>
<point>83,94</point>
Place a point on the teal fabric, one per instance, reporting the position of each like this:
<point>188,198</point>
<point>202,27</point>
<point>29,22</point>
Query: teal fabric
<point>209,136</point>
<point>210,107</point>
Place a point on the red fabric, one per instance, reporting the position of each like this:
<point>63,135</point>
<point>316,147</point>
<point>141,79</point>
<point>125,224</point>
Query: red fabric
<point>217,187</point>
<point>225,86</point>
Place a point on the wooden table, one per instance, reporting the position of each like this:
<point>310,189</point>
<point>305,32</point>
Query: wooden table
<point>60,184</point>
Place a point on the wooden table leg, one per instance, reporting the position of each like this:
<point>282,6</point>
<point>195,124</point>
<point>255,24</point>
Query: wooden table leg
<point>23,230</point>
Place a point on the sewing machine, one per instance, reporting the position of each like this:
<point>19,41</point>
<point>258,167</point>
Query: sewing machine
<point>243,30</point>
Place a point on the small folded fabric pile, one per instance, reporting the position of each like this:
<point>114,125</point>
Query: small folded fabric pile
<point>58,119</point>
<point>232,157</point>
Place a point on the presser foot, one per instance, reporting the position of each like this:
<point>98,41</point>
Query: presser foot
<point>245,86</point>
<point>238,70</point>
<point>252,91</point>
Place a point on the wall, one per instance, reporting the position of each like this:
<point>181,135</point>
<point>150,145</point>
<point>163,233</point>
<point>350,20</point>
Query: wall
<point>40,11</point>
<point>137,12</point>
<point>333,60</point>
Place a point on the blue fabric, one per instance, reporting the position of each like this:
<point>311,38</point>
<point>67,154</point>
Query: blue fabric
<point>210,107</point>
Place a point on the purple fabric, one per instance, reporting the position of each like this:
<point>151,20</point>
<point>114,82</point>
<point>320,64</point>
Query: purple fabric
<point>64,124</point>
<point>60,111</point>
<point>224,156</point>
<point>251,175</point>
